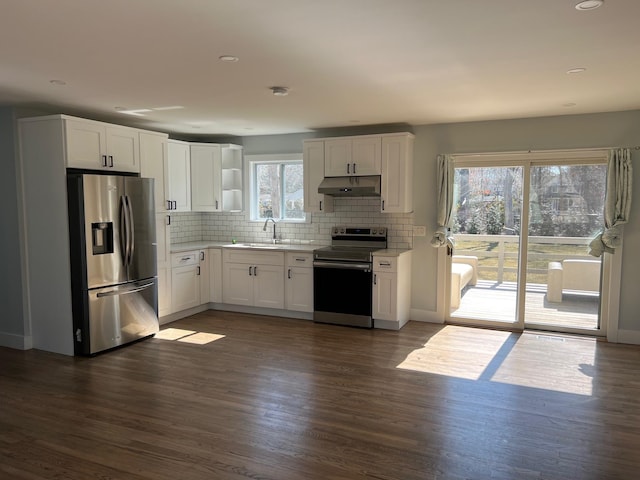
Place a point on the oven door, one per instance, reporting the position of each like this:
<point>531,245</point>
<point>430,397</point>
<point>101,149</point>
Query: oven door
<point>342,293</point>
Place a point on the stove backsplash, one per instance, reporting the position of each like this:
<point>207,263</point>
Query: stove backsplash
<point>222,227</point>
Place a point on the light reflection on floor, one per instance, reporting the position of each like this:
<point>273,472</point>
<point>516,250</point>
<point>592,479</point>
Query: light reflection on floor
<point>187,336</point>
<point>549,362</point>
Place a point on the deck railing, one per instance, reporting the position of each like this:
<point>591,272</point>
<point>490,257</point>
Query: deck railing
<point>500,254</point>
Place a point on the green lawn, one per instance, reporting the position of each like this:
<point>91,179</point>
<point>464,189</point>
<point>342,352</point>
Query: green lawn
<point>538,259</point>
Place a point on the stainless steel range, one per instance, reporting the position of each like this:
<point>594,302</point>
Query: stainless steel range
<point>342,275</point>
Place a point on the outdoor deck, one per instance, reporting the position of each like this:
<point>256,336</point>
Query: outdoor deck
<point>490,300</point>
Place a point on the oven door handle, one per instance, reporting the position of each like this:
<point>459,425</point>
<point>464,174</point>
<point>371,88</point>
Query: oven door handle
<point>344,266</point>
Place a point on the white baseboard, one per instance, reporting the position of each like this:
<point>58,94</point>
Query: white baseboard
<point>19,342</point>
<point>631,337</point>
<point>235,308</point>
<point>429,316</point>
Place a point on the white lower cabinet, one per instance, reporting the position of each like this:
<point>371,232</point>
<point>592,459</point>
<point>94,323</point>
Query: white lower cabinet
<point>215,275</point>
<point>391,290</point>
<point>164,291</point>
<point>253,278</point>
<point>187,271</point>
<point>299,282</point>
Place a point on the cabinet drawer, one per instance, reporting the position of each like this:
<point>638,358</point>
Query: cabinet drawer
<point>184,258</point>
<point>252,257</point>
<point>385,264</point>
<point>300,259</point>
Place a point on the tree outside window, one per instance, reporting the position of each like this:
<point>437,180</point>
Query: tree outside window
<point>277,190</point>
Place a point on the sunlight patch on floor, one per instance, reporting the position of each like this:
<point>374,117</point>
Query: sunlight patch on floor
<point>187,336</point>
<point>549,362</point>
<point>456,351</point>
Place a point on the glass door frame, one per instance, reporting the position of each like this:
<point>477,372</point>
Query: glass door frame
<point>611,264</point>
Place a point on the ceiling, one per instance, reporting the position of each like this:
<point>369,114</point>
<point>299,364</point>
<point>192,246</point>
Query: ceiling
<point>346,62</point>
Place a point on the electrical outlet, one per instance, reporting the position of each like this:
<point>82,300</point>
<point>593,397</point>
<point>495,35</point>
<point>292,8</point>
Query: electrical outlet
<point>419,231</point>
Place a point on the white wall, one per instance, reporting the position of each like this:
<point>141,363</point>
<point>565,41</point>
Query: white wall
<point>12,327</point>
<point>574,131</point>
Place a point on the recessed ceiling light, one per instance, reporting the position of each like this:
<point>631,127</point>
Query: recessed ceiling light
<point>57,82</point>
<point>280,91</point>
<point>228,58</point>
<point>589,5</point>
<point>577,70</point>
<point>570,104</point>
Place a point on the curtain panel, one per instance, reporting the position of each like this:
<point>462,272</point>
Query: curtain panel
<point>444,178</point>
<point>617,203</point>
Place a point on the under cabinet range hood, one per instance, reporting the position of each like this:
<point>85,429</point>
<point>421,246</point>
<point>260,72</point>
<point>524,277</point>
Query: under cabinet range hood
<point>368,186</point>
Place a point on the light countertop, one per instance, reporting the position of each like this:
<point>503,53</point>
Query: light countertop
<point>285,247</point>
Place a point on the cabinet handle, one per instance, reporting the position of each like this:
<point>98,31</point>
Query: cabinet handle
<point>168,219</point>
<point>354,168</point>
<point>168,204</point>
<point>249,271</point>
<point>175,205</point>
<point>184,259</point>
<point>320,205</point>
<point>216,204</point>
<point>111,161</point>
<point>375,279</point>
<point>201,255</point>
<point>383,205</point>
<point>289,273</point>
<point>255,271</point>
<point>301,259</point>
<point>198,271</point>
<point>348,168</point>
<point>104,160</point>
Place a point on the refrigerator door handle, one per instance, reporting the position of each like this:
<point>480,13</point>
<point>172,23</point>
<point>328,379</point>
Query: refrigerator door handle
<point>113,293</point>
<point>124,235</point>
<point>131,230</point>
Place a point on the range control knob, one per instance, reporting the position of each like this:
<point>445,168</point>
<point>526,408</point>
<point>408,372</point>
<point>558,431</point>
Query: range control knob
<point>374,231</point>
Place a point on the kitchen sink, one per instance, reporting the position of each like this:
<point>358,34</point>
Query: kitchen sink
<point>266,246</point>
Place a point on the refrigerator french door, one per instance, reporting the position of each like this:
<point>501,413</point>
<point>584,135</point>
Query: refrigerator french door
<point>113,260</point>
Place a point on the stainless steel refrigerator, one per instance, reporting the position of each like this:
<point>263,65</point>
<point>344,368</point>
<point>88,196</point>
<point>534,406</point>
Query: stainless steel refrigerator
<point>113,260</point>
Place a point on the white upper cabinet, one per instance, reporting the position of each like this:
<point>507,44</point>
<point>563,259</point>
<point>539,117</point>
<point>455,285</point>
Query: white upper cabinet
<point>397,173</point>
<point>179,197</point>
<point>154,164</point>
<point>313,171</point>
<point>352,156</point>
<point>100,146</point>
<point>206,178</point>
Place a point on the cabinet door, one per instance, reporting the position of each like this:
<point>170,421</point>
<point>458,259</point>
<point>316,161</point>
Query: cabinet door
<point>164,291</point>
<point>385,297</point>
<point>268,286</point>
<point>206,183</point>
<point>163,240</point>
<point>179,176</point>
<point>397,175</point>
<point>238,284</point>
<point>86,145</point>
<point>215,275</point>
<point>366,156</point>
<point>299,289</point>
<point>205,282</point>
<point>185,287</point>
<point>313,171</point>
<point>337,157</point>
<point>153,164</point>
<point>123,149</point>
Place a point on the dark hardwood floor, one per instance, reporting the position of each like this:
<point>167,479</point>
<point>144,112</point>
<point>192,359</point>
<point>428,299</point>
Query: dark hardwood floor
<point>272,398</point>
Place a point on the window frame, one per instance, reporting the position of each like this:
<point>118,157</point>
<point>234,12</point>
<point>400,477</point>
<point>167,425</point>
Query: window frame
<point>251,197</point>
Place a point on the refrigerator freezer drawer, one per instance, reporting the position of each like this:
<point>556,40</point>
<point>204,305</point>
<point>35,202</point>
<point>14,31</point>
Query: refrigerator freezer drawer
<point>121,314</point>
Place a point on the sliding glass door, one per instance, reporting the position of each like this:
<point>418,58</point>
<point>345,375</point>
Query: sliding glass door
<point>522,226</point>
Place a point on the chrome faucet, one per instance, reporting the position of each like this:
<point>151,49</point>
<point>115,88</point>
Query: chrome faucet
<point>264,228</point>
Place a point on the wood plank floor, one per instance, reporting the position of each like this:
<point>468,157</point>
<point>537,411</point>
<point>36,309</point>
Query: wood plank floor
<point>272,398</point>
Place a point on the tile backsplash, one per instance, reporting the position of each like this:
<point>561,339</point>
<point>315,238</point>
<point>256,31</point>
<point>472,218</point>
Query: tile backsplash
<point>222,227</point>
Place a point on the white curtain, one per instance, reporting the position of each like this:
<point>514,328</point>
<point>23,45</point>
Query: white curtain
<point>445,172</point>
<point>617,203</point>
